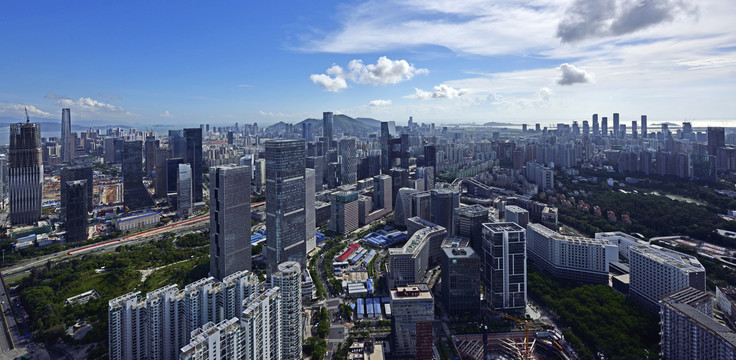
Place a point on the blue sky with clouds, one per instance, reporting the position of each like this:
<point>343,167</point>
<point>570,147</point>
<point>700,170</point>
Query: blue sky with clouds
<point>187,62</point>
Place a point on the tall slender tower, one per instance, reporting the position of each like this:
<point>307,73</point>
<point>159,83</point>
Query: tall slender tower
<point>644,133</point>
<point>327,127</point>
<point>349,161</point>
<point>285,202</point>
<point>135,195</point>
<point>184,202</point>
<point>616,127</point>
<point>230,249</point>
<point>193,156</point>
<point>67,141</point>
<point>287,277</point>
<point>25,170</point>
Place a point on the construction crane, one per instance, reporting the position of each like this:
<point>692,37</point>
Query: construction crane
<point>527,324</point>
<point>28,119</point>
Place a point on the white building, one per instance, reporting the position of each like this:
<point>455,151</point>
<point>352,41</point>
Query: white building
<point>287,278</point>
<point>624,241</point>
<point>137,222</point>
<point>412,309</point>
<point>656,272</point>
<point>408,264</point>
<point>222,341</point>
<point>570,257</point>
<point>541,175</point>
<point>261,325</point>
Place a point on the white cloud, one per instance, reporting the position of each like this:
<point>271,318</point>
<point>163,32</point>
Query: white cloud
<point>441,91</point>
<point>379,102</point>
<point>89,105</point>
<point>244,85</point>
<point>19,111</point>
<point>569,75</point>
<point>384,72</point>
<point>167,115</point>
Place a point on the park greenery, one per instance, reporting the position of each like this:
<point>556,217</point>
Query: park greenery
<point>43,293</point>
<point>316,346</point>
<point>597,318</point>
<point>193,240</point>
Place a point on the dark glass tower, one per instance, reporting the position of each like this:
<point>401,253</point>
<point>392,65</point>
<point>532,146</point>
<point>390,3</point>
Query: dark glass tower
<point>230,249</point>
<point>193,157</point>
<point>135,195</point>
<point>74,202</point>
<point>78,172</point>
<point>285,199</point>
<point>25,173</point>
<point>67,141</point>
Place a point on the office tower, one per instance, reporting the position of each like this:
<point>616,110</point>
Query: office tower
<point>687,130</point>
<point>541,175</point>
<point>287,277</point>
<point>230,138</point>
<point>177,143</point>
<point>259,174</point>
<point>596,130</point>
<point>586,128</point>
<point>74,205</point>
<point>469,224</point>
<point>3,179</point>
<point>382,192</point>
<point>78,172</point>
<point>67,141</point>
<point>689,331</point>
<point>537,128</point>
<point>716,139</point>
<point>622,131</point>
<point>172,174</point>
<point>151,146</point>
<point>25,173</point>
<point>113,150</point>
<point>344,212</point>
<point>212,341</point>
<point>517,215</point>
<point>327,127</point>
<point>426,174</point>
<point>230,248</point>
<point>412,309</point>
<point>409,263</point>
<point>666,131</point>
<point>309,207</point>
<point>402,207</point>
<point>193,157</point>
<point>261,325</point>
<point>634,130</point>
<point>604,126</point>
<point>644,130</point>
<point>421,206</point>
<point>184,196</point>
<point>575,129</point>
<point>460,277</point>
<point>570,257</point>
<point>159,181</point>
<point>656,272</point>
<point>349,162</point>
<point>285,213</point>
<point>523,128</point>
<point>434,233</point>
<point>616,129</point>
<point>504,266</point>
<point>444,202</point>
<point>388,132</point>
<point>135,195</point>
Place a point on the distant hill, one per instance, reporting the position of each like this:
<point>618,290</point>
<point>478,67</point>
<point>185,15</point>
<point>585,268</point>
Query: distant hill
<point>342,123</point>
<point>493,123</point>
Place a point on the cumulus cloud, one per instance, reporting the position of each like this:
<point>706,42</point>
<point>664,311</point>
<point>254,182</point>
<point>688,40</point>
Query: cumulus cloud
<point>379,102</point>
<point>385,71</point>
<point>599,18</point>
<point>167,115</point>
<point>441,91</point>
<point>570,74</point>
<point>19,111</point>
<point>89,105</point>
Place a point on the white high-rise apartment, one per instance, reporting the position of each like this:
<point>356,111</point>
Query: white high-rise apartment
<point>222,341</point>
<point>261,324</point>
<point>288,279</point>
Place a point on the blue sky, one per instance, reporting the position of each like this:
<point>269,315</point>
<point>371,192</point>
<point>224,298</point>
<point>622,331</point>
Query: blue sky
<point>544,61</point>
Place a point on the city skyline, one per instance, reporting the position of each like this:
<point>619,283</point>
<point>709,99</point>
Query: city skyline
<point>440,62</point>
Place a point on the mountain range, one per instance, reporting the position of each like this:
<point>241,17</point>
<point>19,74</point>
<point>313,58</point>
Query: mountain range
<point>342,123</point>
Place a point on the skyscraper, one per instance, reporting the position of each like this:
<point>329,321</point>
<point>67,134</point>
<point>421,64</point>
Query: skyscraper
<point>285,193</point>
<point>327,127</point>
<point>230,248</point>
<point>469,224</point>
<point>287,277</point>
<point>77,172</point>
<point>644,133</point>
<point>193,157</point>
<point>460,278</point>
<point>382,192</point>
<point>634,130</point>
<point>444,202</point>
<point>596,129</point>
<point>135,195</point>
<point>411,326</point>
<point>716,139</point>
<point>349,161</point>
<point>74,203</point>
<point>151,145</point>
<point>604,127</point>
<point>309,207</point>
<point>159,180</point>
<point>504,266</point>
<point>184,203</point>
<point>67,141</point>
<point>25,173</point>
<point>616,127</point>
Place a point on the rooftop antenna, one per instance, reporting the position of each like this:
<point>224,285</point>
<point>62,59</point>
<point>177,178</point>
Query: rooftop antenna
<point>28,119</point>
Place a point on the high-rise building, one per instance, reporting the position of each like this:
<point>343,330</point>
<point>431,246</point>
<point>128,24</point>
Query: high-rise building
<point>193,156</point>
<point>309,207</point>
<point>444,202</point>
<point>25,173</point>
<point>469,224</point>
<point>261,325</point>
<point>135,195</point>
<point>344,210</point>
<point>644,133</point>
<point>159,181</point>
<point>716,139</point>
<point>634,130</point>
<point>328,123</point>
<point>656,272</point>
<point>616,127</point>
<point>230,248</point>
<point>382,192</point>
<point>516,215</point>
<point>541,175</point>
<point>67,140</point>
<point>689,331</point>
<point>221,341</point>
<point>349,162</point>
<point>412,309</point>
<point>460,277</point>
<point>504,266</point>
<point>285,193</point>
<point>570,257</point>
<point>604,126</point>
<point>177,143</point>
<point>409,263</point>
<point>596,129</point>
<point>3,179</point>
<point>77,172</point>
<point>287,277</point>
<point>113,150</point>
<point>74,205</point>
<point>184,196</point>
<point>151,146</point>
<point>259,174</point>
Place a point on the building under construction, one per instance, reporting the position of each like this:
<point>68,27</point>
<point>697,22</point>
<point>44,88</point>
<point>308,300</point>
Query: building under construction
<point>25,173</point>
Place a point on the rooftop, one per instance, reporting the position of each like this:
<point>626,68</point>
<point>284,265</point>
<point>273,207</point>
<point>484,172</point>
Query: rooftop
<point>503,227</point>
<point>670,257</point>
